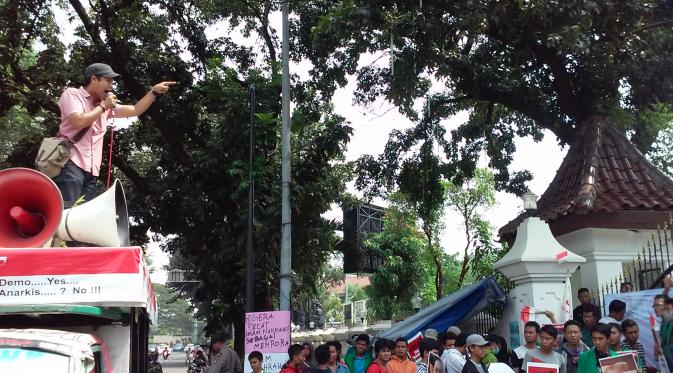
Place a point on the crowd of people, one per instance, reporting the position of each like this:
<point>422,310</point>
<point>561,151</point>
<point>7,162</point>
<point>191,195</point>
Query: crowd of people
<point>577,347</point>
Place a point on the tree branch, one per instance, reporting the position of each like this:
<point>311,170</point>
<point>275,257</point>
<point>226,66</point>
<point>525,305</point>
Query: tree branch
<point>265,32</point>
<point>527,106</point>
<point>263,18</point>
<point>548,56</point>
<point>652,25</point>
<point>89,26</point>
<point>139,181</point>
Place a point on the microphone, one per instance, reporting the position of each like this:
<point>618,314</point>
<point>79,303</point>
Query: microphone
<point>108,94</point>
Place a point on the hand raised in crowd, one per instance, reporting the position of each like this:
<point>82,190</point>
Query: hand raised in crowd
<point>551,316</point>
<point>162,87</point>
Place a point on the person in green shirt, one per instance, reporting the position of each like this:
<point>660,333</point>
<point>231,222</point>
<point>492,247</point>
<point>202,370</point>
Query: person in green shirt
<point>589,321</point>
<point>615,340</point>
<point>490,356</point>
<point>588,361</point>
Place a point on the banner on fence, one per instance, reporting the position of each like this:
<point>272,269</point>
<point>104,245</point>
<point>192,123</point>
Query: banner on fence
<point>639,309</point>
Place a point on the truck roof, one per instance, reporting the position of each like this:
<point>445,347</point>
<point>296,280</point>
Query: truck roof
<point>95,276</point>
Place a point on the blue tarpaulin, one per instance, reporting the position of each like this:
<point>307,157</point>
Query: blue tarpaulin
<point>460,305</point>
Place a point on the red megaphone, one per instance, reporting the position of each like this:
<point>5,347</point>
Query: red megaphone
<point>30,208</point>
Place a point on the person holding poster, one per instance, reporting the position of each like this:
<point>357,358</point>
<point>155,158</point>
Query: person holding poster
<point>546,353</point>
<point>631,333</point>
<point>588,361</point>
<point>428,346</point>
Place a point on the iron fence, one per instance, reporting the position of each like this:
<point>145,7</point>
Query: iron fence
<point>488,319</point>
<point>647,270</point>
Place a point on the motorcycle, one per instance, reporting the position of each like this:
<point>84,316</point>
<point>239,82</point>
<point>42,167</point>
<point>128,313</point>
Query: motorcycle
<point>195,366</point>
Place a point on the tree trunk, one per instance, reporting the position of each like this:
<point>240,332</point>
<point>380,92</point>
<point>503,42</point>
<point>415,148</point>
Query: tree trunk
<point>439,275</point>
<point>439,278</point>
<point>463,270</point>
<point>239,335</point>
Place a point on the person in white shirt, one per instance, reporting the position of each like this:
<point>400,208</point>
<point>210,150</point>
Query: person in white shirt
<point>531,334</point>
<point>454,358</point>
<point>617,309</point>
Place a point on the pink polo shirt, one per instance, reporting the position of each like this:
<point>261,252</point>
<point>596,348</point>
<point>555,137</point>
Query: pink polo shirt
<point>87,153</point>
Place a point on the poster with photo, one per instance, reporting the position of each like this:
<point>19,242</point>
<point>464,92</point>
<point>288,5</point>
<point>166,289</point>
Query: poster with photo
<point>542,368</point>
<point>623,363</point>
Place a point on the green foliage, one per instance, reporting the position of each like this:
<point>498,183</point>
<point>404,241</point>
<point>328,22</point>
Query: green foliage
<point>422,191</point>
<point>354,293</point>
<point>332,308</point>
<point>470,201</point>
<point>517,67</point>
<point>396,281</point>
<point>15,126</point>
<point>661,119</point>
<point>175,317</point>
<point>184,166</point>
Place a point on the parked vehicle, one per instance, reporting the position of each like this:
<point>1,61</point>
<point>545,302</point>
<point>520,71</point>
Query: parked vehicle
<point>45,350</point>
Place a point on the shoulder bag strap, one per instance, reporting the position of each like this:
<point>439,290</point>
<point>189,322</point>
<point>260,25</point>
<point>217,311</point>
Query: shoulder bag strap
<point>80,134</point>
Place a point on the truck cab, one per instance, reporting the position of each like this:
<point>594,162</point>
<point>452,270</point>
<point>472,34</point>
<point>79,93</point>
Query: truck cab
<point>46,350</point>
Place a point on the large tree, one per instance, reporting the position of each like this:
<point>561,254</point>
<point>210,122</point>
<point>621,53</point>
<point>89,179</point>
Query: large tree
<point>518,66</point>
<point>185,164</point>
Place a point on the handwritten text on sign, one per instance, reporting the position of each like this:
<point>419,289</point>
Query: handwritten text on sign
<point>267,331</point>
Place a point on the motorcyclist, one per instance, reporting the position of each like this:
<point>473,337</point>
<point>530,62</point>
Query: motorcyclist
<point>154,365</point>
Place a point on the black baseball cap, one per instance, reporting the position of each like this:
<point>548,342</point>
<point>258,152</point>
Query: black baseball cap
<point>99,69</point>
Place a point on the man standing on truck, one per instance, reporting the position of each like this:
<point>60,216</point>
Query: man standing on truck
<point>84,114</point>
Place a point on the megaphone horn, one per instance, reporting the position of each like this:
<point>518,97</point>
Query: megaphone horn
<point>30,208</point>
<point>102,221</point>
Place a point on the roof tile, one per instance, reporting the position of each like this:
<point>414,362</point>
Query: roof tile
<point>603,171</point>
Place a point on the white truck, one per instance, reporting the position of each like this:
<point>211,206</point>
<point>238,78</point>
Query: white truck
<point>72,310</point>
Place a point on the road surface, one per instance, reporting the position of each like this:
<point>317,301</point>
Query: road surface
<point>175,363</point>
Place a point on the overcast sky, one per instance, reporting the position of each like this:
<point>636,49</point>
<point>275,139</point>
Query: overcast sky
<point>371,127</point>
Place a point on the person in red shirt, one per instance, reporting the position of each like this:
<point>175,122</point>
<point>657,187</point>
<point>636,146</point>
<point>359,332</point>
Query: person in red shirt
<point>296,362</point>
<point>383,351</point>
